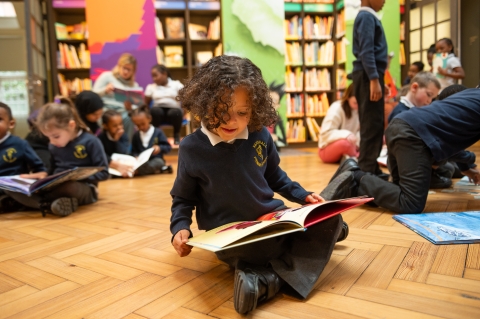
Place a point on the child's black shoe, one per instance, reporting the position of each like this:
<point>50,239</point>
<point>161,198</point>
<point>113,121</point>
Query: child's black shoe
<point>9,205</point>
<point>62,207</point>
<point>166,169</point>
<point>344,233</point>
<point>254,285</point>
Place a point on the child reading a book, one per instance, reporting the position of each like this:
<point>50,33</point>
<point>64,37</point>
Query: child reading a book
<point>340,132</point>
<point>448,67</point>
<point>146,137</point>
<point>228,170</point>
<point>71,146</point>
<point>90,108</point>
<point>114,140</point>
<point>121,77</point>
<point>163,92</point>
<point>16,158</point>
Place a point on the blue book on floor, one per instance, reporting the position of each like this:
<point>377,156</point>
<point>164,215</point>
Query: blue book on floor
<point>444,228</point>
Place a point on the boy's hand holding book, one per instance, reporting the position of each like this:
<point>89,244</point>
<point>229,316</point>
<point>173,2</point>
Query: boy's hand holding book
<point>180,243</point>
<point>38,175</point>
<point>314,198</point>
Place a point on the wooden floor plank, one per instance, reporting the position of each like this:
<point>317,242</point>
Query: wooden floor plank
<point>472,274</point>
<point>347,272</point>
<point>30,275</point>
<point>8,283</point>
<point>182,313</point>
<point>212,298</point>
<point>413,303</point>
<point>227,310</point>
<point>418,262</point>
<point>16,293</point>
<point>473,256</point>
<point>453,282</point>
<point>450,260</point>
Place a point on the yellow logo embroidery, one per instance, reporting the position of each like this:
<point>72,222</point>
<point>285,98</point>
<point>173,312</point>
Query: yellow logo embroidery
<point>155,141</point>
<point>80,152</point>
<point>9,155</point>
<point>261,149</point>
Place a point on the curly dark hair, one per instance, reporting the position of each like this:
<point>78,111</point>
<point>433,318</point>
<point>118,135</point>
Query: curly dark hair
<point>208,94</point>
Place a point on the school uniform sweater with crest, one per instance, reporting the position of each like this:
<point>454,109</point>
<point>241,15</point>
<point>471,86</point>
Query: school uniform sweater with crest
<point>18,157</point>
<point>85,150</point>
<point>158,138</point>
<point>229,182</point>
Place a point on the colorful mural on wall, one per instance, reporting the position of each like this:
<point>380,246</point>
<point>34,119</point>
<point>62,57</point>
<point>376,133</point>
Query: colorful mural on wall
<point>132,30</point>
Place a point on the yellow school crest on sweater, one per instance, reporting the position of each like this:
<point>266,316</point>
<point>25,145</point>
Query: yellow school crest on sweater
<point>80,151</point>
<point>9,156</point>
<point>261,150</point>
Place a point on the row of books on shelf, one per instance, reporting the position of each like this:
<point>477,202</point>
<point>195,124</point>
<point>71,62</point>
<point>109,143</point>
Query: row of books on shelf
<point>342,50</point>
<point>293,28</point>
<point>313,128</point>
<point>403,58</point>
<point>317,80</point>
<point>73,87</point>
<point>294,79</point>
<point>318,27</point>
<point>172,56</point>
<point>341,25</point>
<point>77,31</point>
<point>293,53</point>
<point>69,58</point>
<point>296,132</point>
<point>319,54</point>
<point>175,29</point>
<point>316,105</point>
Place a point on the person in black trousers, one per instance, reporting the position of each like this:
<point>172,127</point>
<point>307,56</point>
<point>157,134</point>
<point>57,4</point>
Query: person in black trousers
<point>416,140</point>
<point>370,50</point>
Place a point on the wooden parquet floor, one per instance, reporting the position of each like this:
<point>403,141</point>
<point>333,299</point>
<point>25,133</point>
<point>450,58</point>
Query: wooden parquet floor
<point>114,259</point>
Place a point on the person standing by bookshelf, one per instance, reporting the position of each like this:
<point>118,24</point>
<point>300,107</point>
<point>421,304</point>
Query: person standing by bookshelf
<point>370,50</point>
<point>163,92</point>
<point>122,76</point>
<point>340,132</point>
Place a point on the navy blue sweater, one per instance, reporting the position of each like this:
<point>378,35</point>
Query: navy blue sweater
<point>369,45</point>
<point>397,110</point>
<point>110,147</point>
<point>158,138</point>
<point>18,157</point>
<point>84,151</point>
<point>448,126</point>
<point>229,182</point>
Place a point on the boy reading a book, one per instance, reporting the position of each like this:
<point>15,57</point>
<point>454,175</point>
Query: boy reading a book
<point>228,170</point>
<point>16,157</point>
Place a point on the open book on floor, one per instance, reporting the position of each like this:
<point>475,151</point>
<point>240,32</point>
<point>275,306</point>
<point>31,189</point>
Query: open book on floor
<point>30,186</point>
<point>444,228</point>
<point>273,224</point>
<point>130,160</point>
<point>464,185</point>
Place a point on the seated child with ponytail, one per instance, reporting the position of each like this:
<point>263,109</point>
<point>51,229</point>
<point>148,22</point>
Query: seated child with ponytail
<point>71,146</point>
<point>146,137</point>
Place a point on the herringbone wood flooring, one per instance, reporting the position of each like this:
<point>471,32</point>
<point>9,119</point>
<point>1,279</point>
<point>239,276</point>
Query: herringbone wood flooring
<point>113,259</point>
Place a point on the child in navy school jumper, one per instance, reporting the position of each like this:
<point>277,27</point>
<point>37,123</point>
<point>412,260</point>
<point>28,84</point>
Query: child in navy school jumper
<point>228,170</point>
<point>114,140</point>
<point>146,137</point>
<point>16,157</point>
<point>71,146</point>
<point>370,50</point>
<point>416,140</point>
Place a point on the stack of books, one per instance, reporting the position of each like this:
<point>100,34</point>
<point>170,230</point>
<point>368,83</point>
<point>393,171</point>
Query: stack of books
<point>317,80</point>
<point>73,87</point>
<point>295,131</point>
<point>313,128</point>
<point>69,58</point>
<point>77,31</point>
<point>318,27</point>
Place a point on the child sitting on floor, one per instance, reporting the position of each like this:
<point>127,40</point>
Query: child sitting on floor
<point>114,140</point>
<point>146,137</point>
<point>71,146</point>
<point>228,170</point>
<point>16,158</point>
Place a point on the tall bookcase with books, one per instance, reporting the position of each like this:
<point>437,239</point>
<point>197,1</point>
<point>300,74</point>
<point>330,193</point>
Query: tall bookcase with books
<point>315,60</point>
<point>188,34</point>
<point>404,43</point>
<point>69,41</point>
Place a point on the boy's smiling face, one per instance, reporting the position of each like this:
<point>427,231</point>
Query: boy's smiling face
<point>239,116</point>
<point>6,123</point>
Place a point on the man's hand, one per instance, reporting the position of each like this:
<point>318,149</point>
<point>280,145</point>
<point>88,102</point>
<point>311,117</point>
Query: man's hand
<point>375,90</point>
<point>473,175</point>
<point>314,198</point>
<point>156,149</point>
<point>180,243</point>
<point>38,175</point>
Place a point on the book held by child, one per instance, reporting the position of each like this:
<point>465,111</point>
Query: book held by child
<point>272,224</point>
<point>130,160</point>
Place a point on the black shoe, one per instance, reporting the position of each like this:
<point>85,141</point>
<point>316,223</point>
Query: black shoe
<point>344,233</point>
<point>343,186</point>
<point>166,169</point>
<point>252,286</point>
<point>62,207</point>
<point>437,181</point>
<point>348,165</point>
<point>176,139</point>
<point>9,205</point>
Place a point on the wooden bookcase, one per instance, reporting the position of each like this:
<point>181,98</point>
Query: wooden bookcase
<point>317,78</point>
<point>195,12</point>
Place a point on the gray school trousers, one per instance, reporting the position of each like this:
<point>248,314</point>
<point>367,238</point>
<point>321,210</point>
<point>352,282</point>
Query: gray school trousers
<point>298,258</point>
<point>83,192</point>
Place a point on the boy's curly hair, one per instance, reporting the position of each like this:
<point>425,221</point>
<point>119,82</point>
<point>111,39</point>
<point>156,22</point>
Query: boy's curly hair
<point>208,94</point>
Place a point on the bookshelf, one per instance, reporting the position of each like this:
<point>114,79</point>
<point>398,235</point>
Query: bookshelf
<point>404,44</point>
<point>69,47</point>
<point>315,60</point>
<point>198,36</point>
